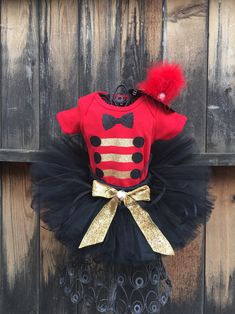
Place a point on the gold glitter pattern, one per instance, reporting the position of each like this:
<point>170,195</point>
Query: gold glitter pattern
<point>116,173</point>
<point>101,223</point>
<point>122,142</point>
<point>117,157</point>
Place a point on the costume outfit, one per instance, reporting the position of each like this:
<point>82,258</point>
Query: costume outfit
<point>119,191</point>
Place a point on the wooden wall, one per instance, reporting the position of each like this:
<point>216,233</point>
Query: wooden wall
<point>52,52</point>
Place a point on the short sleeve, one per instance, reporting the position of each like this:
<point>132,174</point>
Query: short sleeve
<point>70,120</point>
<point>168,123</point>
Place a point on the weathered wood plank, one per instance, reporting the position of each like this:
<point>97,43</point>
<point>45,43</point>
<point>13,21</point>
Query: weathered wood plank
<point>58,63</point>
<point>98,45</point>
<point>220,245</point>
<point>20,66</point>
<point>185,42</point>
<point>1,99</point>
<point>20,246</point>
<point>53,258</point>
<point>1,268</point>
<point>58,90</point>
<point>221,69</point>
<point>140,38</point>
<point>186,270</point>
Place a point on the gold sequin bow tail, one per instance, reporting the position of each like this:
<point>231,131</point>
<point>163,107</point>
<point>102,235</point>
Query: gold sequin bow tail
<point>100,225</point>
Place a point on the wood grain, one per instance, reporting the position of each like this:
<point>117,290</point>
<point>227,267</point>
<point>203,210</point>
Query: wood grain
<point>58,63</point>
<point>20,67</point>
<point>185,42</point>
<point>53,257</point>
<point>20,259</point>
<point>1,253</point>
<point>221,69</point>
<point>58,22</point>
<point>141,30</point>
<point>186,270</point>
<point>220,245</point>
<point>98,45</point>
<point>109,42</point>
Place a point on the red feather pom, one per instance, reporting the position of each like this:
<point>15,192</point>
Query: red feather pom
<point>164,82</point>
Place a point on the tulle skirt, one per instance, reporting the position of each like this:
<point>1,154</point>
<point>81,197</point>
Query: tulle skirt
<point>180,202</point>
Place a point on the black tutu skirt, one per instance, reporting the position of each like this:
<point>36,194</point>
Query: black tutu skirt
<point>180,202</point>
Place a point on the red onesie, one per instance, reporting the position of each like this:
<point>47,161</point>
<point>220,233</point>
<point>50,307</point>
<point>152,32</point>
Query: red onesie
<point>119,139</point>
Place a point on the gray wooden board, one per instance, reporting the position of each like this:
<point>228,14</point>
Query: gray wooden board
<point>185,42</point>
<point>58,63</point>
<point>141,36</point>
<point>221,69</point>
<point>184,45</point>
<point>98,45</point>
<point>19,66</point>
<point>58,25</point>
<point>19,243</point>
<point>220,245</point>
<point>1,225</point>
<point>186,270</point>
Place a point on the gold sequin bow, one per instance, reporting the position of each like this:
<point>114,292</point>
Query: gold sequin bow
<point>101,223</point>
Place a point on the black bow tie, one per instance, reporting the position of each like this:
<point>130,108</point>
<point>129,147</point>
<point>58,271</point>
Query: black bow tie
<point>109,121</point>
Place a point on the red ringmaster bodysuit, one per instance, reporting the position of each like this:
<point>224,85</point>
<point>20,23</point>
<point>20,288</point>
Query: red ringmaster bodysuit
<point>119,138</point>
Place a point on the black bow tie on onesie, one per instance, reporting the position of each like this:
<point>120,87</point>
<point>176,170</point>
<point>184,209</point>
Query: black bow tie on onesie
<point>109,121</point>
